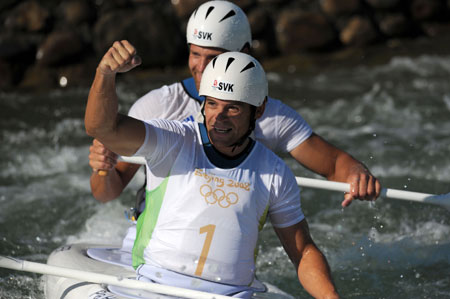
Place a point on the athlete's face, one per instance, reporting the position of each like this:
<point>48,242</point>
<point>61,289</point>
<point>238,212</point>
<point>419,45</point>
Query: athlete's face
<point>199,57</point>
<point>227,122</point>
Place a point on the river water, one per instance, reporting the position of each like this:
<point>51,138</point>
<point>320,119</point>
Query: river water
<point>395,118</point>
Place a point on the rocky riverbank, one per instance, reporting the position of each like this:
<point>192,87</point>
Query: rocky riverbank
<point>46,44</point>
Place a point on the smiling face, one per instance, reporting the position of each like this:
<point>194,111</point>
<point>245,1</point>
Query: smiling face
<point>199,57</point>
<point>227,122</point>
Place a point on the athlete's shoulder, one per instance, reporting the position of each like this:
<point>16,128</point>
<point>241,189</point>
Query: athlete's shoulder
<point>155,103</point>
<point>276,106</point>
<point>173,125</point>
<point>163,91</point>
<point>263,153</point>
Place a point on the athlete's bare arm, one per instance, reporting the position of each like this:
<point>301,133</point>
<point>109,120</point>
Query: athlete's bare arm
<point>311,265</point>
<point>327,160</point>
<point>120,133</point>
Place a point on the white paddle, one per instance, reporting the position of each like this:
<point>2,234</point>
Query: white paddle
<point>21,265</point>
<point>441,200</point>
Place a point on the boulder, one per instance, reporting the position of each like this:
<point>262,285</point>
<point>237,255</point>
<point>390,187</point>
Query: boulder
<point>17,53</point>
<point>75,12</point>
<point>358,32</point>
<point>335,8</point>
<point>297,30</point>
<point>154,33</point>
<point>28,16</point>
<point>105,6</point>
<point>273,2</point>
<point>384,4</point>
<point>245,4</point>
<point>259,20</point>
<point>6,79</point>
<point>59,48</point>
<point>395,25</point>
<point>184,8</point>
<point>425,10</point>
<point>264,40</point>
<point>39,77</point>
<point>434,29</point>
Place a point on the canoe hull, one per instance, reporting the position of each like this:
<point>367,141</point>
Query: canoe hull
<point>75,257</point>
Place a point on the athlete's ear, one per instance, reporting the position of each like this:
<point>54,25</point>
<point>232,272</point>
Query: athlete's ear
<point>260,110</point>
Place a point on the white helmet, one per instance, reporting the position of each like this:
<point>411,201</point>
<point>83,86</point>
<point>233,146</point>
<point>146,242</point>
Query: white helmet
<point>235,76</point>
<point>219,24</point>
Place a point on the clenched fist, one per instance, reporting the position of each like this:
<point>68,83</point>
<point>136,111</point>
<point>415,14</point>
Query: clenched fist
<point>120,58</point>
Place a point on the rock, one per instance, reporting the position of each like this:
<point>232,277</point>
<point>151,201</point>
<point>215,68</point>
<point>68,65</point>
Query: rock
<point>245,4</point>
<point>335,8</point>
<point>297,30</point>
<point>17,47</point>
<point>384,4</point>
<point>358,32</point>
<point>6,79</point>
<point>5,4</point>
<point>264,42</point>
<point>436,29</point>
<point>424,10</point>
<point>67,32</point>
<point>273,2</point>
<point>76,12</point>
<point>39,77</point>
<point>153,32</point>
<point>28,16</point>
<point>59,48</point>
<point>78,74</point>
<point>259,20</point>
<point>105,6</point>
<point>184,8</point>
<point>260,49</point>
<point>17,53</point>
<point>395,25</point>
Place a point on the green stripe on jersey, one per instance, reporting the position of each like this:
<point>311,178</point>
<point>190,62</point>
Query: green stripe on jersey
<point>147,221</point>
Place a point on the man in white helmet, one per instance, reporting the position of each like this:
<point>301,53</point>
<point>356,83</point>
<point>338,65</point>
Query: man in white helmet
<point>210,186</point>
<point>214,28</point>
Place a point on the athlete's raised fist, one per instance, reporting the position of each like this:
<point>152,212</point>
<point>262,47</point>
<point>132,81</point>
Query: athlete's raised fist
<point>120,58</point>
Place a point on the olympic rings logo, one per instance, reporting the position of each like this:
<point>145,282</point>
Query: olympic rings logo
<point>224,200</point>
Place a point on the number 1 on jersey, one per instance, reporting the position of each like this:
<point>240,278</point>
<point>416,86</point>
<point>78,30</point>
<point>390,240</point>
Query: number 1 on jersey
<point>209,230</point>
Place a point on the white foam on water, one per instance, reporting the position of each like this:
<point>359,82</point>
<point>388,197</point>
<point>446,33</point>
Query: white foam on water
<point>72,126</point>
<point>446,99</point>
<point>424,233</point>
<point>45,161</point>
<point>421,66</point>
<point>19,286</point>
<point>108,225</point>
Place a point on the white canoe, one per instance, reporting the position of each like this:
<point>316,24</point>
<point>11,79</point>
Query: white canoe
<point>108,260</point>
<point>75,257</point>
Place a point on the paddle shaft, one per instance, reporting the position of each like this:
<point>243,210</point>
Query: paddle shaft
<point>21,265</point>
<point>442,200</point>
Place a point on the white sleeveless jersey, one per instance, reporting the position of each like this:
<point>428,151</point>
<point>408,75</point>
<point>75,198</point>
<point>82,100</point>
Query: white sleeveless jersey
<point>201,220</point>
<point>280,128</point>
